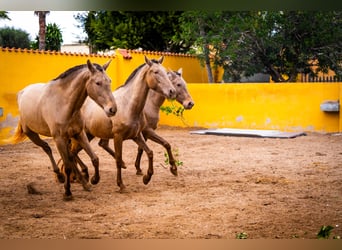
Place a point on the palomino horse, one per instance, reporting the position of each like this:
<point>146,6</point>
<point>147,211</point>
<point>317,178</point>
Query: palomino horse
<point>129,120</point>
<point>151,113</point>
<point>53,110</point>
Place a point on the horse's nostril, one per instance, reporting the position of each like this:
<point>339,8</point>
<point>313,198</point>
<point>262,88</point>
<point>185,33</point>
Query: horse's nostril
<point>112,110</point>
<point>172,93</point>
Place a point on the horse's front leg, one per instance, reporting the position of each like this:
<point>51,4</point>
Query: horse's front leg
<point>118,141</point>
<point>69,163</point>
<point>152,135</point>
<point>84,143</point>
<point>142,144</point>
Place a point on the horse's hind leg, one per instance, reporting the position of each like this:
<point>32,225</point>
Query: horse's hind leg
<point>35,138</point>
<point>104,143</point>
<point>138,160</point>
<point>84,143</point>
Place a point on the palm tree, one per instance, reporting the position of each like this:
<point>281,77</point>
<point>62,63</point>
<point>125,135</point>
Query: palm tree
<point>3,15</point>
<point>42,27</point>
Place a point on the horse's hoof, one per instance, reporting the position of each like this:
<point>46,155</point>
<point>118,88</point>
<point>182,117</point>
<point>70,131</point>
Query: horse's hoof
<point>95,180</point>
<point>87,187</point>
<point>146,179</point>
<point>122,189</point>
<point>139,172</point>
<point>61,177</point>
<point>174,171</point>
<point>68,197</point>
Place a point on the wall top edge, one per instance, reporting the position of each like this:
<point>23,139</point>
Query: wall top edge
<point>52,52</point>
<point>159,53</point>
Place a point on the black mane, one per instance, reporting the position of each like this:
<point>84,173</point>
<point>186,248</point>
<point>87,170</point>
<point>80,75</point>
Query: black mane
<point>75,69</point>
<point>132,75</point>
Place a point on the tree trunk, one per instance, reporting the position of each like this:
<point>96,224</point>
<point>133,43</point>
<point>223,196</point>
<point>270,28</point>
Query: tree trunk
<point>42,28</point>
<point>206,56</point>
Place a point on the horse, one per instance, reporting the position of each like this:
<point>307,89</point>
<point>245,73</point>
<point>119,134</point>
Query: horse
<point>129,120</point>
<point>53,110</point>
<point>151,112</point>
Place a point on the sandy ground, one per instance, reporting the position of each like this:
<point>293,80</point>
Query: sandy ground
<point>264,188</point>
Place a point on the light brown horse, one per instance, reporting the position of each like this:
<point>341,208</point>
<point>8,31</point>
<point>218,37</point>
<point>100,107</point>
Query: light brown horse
<point>151,112</point>
<point>129,120</point>
<point>53,110</point>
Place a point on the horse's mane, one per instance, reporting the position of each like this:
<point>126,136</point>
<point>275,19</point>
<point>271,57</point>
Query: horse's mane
<point>132,75</point>
<point>74,69</point>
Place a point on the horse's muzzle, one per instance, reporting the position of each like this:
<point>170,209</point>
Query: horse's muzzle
<point>188,104</point>
<point>111,111</point>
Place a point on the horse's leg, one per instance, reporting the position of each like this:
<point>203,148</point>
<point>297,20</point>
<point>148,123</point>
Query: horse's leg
<point>142,144</point>
<point>104,143</point>
<point>138,160</point>
<point>118,141</point>
<point>84,143</point>
<point>35,138</point>
<point>151,134</point>
<point>69,163</point>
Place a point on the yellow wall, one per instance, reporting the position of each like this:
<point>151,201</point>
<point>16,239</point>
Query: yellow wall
<point>289,106</point>
<point>286,107</point>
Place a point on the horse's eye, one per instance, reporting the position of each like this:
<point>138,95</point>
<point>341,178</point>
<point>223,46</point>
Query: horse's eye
<point>98,83</point>
<point>179,85</point>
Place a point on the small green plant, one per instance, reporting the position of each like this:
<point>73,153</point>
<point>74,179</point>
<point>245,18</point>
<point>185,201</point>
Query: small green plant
<point>324,232</point>
<point>242,235</point>
<point>175,110</point>
<point>176,154</point>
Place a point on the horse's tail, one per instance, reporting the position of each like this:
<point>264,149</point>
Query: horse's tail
<point>19,134</point>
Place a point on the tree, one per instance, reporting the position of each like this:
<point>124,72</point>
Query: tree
<point>42,28</point>
<point>4,15</point>
<point>53,38</point>
<point>127,29</point>
<point>279,43</point>
<point>14,38</point>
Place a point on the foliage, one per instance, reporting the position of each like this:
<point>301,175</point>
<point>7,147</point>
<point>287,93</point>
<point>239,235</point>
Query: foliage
<point>14,38</point>
<point>4,15</point>
<point>174,109</point>
<point>279,43</point>
<point>175,152</point>
<point>53,38</point>
<point>242,235</point>
<point>149,30</point>
<point>325,232</point>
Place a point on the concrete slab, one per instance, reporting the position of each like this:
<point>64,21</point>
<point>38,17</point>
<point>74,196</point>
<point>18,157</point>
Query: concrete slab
<point>249,133</point>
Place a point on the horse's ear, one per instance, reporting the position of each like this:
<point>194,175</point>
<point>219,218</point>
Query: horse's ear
<point>148,61</point>
<point>171,73</point>
<point>161,59</point>
<point>91,66</point>
<point>105,66</point>
<point>180,71</point>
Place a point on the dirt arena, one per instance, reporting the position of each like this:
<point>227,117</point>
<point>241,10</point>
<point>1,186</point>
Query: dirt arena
<point>228,187</point>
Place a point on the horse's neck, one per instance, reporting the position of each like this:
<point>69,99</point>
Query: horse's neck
<point>137,93</point>
<point>152,108</point>
<point>74,93</point>
<point>153,103</point>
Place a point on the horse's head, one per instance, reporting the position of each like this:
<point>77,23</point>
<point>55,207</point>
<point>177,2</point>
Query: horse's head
<point>183,96</point>
<point>157,78</point>
<point>99,88</point>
